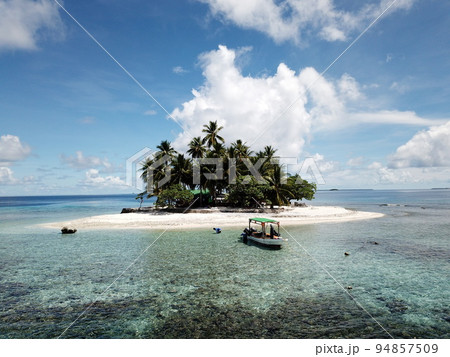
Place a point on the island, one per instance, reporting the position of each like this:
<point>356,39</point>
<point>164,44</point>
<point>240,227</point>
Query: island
<point>215,217</point>
<point>218,186</point>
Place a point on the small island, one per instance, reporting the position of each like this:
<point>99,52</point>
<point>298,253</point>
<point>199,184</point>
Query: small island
<point>218,185</point>
<point>215,217</point>
<point>212,174</point>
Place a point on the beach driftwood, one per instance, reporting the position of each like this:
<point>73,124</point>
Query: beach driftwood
<point>68,230</point>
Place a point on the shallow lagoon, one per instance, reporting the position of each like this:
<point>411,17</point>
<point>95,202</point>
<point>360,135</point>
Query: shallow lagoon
<point>197,284</point>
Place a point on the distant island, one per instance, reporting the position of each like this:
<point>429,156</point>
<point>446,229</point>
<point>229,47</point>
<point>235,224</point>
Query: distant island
<point>218,175</point>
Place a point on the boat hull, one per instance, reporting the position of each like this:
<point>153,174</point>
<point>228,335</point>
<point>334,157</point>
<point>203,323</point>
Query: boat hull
<point>269,242</point>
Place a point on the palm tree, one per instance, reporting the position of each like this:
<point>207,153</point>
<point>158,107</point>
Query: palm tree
<point>218,151</point>
<point>231,151</point>
<point>158,174</point>
<point>216,186</point>
<point>241,150</point>
<point>165,148</point>
<point>269,152</point>
<point>197,151</point>
<point>182,171</point>
<point>268,155</point>
<point>212,137</point>
<point>145,168</point>
<point>196,148</point>
<point>279,193</point>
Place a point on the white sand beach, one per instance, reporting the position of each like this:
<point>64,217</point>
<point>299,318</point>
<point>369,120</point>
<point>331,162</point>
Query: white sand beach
<point>213,218</point>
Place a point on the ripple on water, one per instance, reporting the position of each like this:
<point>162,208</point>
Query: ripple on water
<point>198,285</point>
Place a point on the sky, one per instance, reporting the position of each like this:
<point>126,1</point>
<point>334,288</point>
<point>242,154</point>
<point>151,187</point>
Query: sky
<point>356,92</point>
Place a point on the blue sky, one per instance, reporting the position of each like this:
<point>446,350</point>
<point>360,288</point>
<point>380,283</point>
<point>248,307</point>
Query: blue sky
<point>70,116</point>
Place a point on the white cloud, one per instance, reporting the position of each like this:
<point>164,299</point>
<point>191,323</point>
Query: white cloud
<point>24,22</point>
<point>290,19</point>
<point>325,166</point>
<point>93,178</point>
<point>400,88</point>
<point>331,33</point>
<point>356,161</point>
<point>280,110</point>
<point>150,112</point>
<point>377,175</point>
<point>6,176</point>
<point>375,165</point>
<point>349,87</point>
<point>11,149</point>
<point>81,162</point>
<point>428,148</point>
<point>412,177</point>
<point>393,117</point>
<point>178,70</point>
<point>244,105</point>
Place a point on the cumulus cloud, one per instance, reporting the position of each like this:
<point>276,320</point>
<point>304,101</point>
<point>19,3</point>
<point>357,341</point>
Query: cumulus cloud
<point>375,165</point>
<point>244,105</point>
<point>12,149</point>
<point>93,178</point>
<point>6,176</point>
<point>285,107</point>
<point>428,148</point>
<point>325,166</point>
<point>81,162</point>
<point>377,175</point>
<point>349,87</point>
<point>292,19</point>
<point>24,22</point>
<point>356,161</point>
<point>411,176</point>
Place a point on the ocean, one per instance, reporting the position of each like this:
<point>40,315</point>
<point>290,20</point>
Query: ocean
<point>196,284</point>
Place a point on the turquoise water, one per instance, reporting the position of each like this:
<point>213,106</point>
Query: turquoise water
<point>196,284</point>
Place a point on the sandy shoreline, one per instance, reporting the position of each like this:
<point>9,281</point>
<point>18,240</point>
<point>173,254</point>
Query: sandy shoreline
<point>174,221</point>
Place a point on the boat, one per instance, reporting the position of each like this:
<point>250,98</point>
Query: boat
<point>265,234</point>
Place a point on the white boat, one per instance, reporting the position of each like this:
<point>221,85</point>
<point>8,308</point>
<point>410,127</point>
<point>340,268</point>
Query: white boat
<point>266,234</point>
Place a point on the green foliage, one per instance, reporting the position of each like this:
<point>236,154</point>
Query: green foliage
<point>246,195</point>
<point>301,189</point>
<point>237,158</point>
<point>212,137</point>
<point>174,196</point>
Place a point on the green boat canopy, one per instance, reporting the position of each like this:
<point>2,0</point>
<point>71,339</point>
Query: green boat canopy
<point>197,192</point>
<point>263,220</point>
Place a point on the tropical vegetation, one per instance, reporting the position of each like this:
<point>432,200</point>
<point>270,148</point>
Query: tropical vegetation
<point>246,178</point>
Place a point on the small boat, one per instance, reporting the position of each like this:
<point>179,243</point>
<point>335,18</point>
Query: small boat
<point>266,234</point>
